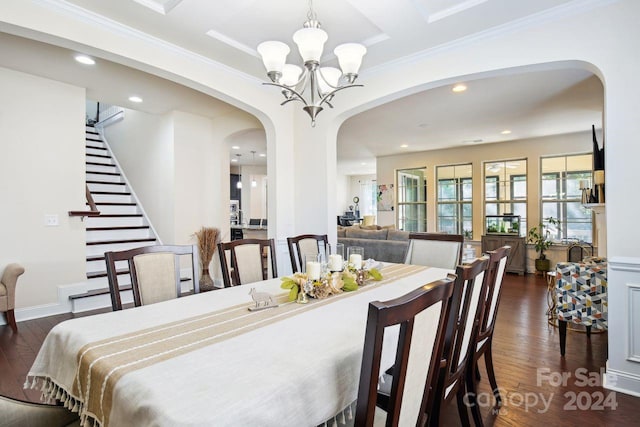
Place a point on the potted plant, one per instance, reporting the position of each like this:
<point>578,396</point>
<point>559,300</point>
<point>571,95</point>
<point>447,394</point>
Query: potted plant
<point>540,237</point>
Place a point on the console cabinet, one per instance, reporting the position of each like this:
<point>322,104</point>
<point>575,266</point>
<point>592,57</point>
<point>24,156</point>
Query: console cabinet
<point>517,261</point>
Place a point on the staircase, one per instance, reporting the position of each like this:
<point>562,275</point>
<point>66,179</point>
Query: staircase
<point>121,224</point>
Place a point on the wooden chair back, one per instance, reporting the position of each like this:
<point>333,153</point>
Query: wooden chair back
<point>305,244</point>
<point>421,315</point>
<point>495,275</point>
<point>435,250</point>
<point>464,315</point>
<point>577,252</point>
<point>247,261</point>
<point>154,272</point>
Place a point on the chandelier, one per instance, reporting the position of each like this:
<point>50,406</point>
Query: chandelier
<point>319,83</point>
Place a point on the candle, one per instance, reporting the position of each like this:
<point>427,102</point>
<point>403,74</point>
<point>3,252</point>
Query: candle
<point>356,261</point>
<point>313,270</point>
<point>335,262</point>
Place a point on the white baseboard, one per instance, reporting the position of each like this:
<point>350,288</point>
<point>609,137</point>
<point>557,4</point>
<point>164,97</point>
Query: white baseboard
<point>623,382</point>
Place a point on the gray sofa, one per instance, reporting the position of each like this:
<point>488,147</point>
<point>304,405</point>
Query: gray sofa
<point>381,244</point>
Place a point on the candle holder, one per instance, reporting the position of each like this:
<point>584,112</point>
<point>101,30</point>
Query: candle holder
<point>302,297</point>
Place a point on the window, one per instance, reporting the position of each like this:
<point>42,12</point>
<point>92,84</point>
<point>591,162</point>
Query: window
<point>505,189</point>
<point>455,198</point>
<point>368,201</point>
<point>561,195</point>
<point>412,199</point>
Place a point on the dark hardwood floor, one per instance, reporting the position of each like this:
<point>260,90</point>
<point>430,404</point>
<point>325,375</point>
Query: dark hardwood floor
<point>526,356</point>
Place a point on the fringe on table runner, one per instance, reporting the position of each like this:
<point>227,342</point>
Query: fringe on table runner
<point>52,393</point>
<point>342,418</point>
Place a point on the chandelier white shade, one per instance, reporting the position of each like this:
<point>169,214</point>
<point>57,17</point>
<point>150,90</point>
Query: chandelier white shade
<point>312,85</point>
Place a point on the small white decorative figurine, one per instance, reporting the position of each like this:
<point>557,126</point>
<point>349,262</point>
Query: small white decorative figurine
<point>262,299</point>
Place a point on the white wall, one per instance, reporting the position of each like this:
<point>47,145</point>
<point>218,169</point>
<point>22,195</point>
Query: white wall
<point>41,173</point>
<point>254,199</point>
<point>144,146</point>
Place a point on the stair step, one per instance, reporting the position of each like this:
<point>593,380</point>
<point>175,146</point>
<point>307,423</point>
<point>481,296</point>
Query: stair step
<point>100,164</point>
<point>92,139</point>
<point>126,227</point>
<point>95,148</point>
<point>125,232</point>
<point>102,156</point>
<point>116,193</point>
<point>103,273</point>
<point>115,242</point>
<point>116,221</point>
<point>105,291</point>
<point>111,198</point>
<point>105,173</point>
<point>116,203</point>
<point>99,248</point>
<point>120,215</point>
<point>104,182</point>
<point>120,208</point>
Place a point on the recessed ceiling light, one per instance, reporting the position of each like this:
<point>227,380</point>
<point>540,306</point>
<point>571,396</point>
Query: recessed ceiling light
<point>136,99</point>
<point>506,132</point>
<point>234,160</point>
<point>84,59</point>
<point>404,146</point>
<point>459,88</point>
<point>472,141</point>
<point>262,155</point>
<point>235,147</point>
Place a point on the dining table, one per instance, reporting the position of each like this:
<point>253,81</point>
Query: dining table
<point>208,360</point>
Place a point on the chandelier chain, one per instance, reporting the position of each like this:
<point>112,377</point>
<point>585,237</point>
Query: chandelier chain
<point>311,14</point>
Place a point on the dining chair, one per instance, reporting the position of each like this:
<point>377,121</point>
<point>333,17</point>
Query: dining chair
<point>305,244</point>
<point>8,292</point>
<point>577,252</point>
<point>154,272</point>
<point>435,249</point>
<point>421,316</point>
<point>21,413</point>
<point>247,261</point>
<point>463,316</point>
<point>482,341</point>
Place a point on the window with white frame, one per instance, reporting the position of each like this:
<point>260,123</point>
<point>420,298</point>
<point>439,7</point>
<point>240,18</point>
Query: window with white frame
<point>455,199</point>
<point>561,195</point>
<point>368,201</point>
<point>505,189</point>
<point>412,199</point>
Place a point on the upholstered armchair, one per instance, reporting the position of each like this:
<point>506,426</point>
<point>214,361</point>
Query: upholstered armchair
<point>8,292</point>
<point>581,292</point>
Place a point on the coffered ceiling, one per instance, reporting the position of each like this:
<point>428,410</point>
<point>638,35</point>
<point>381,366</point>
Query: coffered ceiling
<point>228,31</point>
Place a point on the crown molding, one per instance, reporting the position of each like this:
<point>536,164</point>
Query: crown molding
<point>571,8</point>
<point>96,20</point>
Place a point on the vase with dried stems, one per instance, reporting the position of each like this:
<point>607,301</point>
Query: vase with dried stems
<point>207,243</point>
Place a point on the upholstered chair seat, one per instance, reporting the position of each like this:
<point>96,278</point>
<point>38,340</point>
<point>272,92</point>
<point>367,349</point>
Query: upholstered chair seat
<point>8,292</point>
